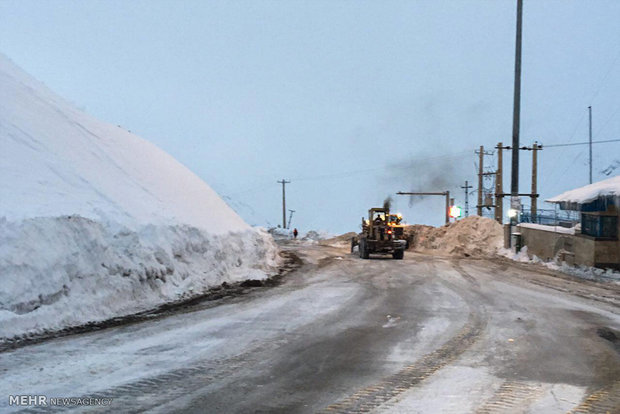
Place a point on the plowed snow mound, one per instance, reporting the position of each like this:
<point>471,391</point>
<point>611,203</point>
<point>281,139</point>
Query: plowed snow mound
<point>96,222</point>
<point>344,240</point>
<point>471,236</point>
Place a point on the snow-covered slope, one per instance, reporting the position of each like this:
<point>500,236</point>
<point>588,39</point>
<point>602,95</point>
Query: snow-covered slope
<point>57,160</point>
<point>96,222</point>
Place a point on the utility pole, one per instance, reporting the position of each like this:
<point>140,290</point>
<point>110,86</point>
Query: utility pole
<point>466,187</point>
<point>514,182</point>
<point>284,183</point>
<point>499,185</point>
<point>534,198</point>
<point>590,141</point>
<point>448,203</point>
<point>481,175</point>
<point>290,217</point>
<point>480,183</point>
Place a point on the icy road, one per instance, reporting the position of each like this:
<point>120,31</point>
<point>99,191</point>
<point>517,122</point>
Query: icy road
<point>423,335</point>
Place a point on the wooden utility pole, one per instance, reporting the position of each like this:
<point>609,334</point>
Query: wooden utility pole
<point>448,207</point>
<point>480,183</point>
<point>499,186</point>
<point>284,183</point>
<point>445,193</point>
<point>467,187</point>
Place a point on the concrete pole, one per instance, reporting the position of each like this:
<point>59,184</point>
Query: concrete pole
<point>283,182</point>
<point>516,114</point>
<point>534,197</point>
<point>466,187</point>
<point>283,204</point>
<point>499,186</point>
<point>480,183</point>
<point>590,113</point>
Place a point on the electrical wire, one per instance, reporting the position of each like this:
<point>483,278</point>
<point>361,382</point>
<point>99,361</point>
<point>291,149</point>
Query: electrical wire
<point>580,143</point>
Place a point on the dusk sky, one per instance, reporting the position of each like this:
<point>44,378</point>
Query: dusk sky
<point>351,101</point>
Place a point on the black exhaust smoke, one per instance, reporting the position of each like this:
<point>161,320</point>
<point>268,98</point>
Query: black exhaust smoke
<point>387,203</point>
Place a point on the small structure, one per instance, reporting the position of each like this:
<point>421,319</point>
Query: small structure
<point>593,242</point>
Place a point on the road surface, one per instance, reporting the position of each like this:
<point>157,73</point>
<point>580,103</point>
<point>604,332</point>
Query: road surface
<point>427,334</point>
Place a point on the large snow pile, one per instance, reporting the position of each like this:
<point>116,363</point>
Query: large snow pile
<point>96,222</point>
<point>471,236</point>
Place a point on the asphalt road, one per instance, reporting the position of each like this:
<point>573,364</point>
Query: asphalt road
<point>426,334</point>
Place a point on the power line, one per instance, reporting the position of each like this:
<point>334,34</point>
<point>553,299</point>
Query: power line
<point>602,81</point>
<point>581,143</point>
<point>607,121</point>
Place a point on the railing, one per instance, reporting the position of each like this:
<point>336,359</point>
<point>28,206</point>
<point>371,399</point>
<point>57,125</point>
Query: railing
<point>564,218</point>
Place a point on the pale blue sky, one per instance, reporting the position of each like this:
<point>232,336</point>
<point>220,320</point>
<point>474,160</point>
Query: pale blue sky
<point>247,92</point>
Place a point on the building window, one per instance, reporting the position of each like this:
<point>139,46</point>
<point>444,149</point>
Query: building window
<point>604,227</point>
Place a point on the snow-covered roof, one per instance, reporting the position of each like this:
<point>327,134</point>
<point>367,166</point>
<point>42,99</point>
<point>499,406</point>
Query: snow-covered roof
<point>609,188</point>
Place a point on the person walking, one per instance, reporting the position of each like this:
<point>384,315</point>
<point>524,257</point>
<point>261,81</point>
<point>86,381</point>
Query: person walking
<point>295,233</point>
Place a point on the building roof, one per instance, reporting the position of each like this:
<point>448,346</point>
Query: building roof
<point>599,193</point>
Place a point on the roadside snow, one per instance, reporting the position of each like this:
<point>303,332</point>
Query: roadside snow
<point>66,271</point>
<point>96,222</point>
<point>583,272</point>
<point>341,242</point>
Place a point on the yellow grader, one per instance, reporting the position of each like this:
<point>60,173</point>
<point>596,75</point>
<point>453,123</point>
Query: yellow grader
<point>381,233</point>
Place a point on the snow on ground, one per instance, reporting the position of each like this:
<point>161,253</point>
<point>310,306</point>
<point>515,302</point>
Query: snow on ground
<point>97,222</point>
<point>583,272</point>
<point>471,236</point>
<point>310,237</point>
<point>342,241</point>
<point>316,236</point>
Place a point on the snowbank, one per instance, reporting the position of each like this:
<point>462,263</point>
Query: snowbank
<point>342,241</point>
<point>583,272</point>
<point>280,233</point>
<point>65,271</point>
<point>96,222</point>
<point>314,236</point>
<point>471,236</point>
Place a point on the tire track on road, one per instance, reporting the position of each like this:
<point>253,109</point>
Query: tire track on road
<point>376,395</point>
<point>150,392</point>
<point>373,396</point>
<point>604,400</point>
<point>510,396</point>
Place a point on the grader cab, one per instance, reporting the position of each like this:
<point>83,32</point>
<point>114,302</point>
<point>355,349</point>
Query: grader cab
<point>381,233</point>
